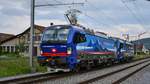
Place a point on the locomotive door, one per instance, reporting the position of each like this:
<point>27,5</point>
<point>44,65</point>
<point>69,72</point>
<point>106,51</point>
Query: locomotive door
<point>35,51</point>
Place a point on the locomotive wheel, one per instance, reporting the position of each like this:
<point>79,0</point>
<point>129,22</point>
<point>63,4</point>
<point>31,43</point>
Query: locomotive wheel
<point>109,63</point>
<point>88,67</point>
<point>77,68</point>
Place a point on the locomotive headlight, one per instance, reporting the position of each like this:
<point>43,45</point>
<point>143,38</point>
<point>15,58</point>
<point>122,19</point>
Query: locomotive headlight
<point>69,50</point>
<point>41,52</point>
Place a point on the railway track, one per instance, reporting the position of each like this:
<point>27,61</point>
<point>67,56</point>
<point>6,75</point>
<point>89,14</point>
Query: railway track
<point>118,76</point>
<point>41,78</point>
<point>35,78</point>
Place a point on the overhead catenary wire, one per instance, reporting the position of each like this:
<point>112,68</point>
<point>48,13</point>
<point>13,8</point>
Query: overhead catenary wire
<point>104,14</point>
<point>59,4</point>
<point>133,14</point>
<point>100,24</point>
<point>138,11</point>
<point>95,20</point>
<point>84,22</point>
<point>58,1</point>
<point>113,20</point>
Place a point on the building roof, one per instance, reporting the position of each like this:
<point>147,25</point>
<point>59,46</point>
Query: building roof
<point>41,28</point>
<point>4,36</point>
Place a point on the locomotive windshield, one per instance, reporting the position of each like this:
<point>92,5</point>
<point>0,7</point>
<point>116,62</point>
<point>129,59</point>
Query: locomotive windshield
<point>56,34</point>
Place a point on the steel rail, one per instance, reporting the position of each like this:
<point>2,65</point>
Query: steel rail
<point>111,73</point>
<point>129,75</point>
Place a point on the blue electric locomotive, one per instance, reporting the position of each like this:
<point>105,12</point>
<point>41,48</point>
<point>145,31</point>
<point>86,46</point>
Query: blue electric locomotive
<point>71,47</point>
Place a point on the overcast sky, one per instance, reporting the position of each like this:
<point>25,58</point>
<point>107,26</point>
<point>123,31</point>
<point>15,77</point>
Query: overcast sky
<point>110,16</point>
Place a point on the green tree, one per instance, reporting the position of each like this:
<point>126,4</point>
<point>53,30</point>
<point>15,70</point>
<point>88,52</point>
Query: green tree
<point>21,47</point>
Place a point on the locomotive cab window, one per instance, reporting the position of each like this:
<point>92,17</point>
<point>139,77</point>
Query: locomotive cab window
<point>121,45</point>
<point>79,38</point>
<point>56,34</point>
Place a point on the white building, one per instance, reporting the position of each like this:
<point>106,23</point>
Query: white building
<point>10,44</point>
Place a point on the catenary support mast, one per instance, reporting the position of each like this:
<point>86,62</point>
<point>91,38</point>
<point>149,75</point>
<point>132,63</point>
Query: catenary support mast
<point>32,36</point>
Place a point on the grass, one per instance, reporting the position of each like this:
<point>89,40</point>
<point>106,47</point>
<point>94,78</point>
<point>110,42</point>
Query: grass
<point>141,56</point>
<point>17,65</point>
<point>12,66</point>
<point>10,55</point>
